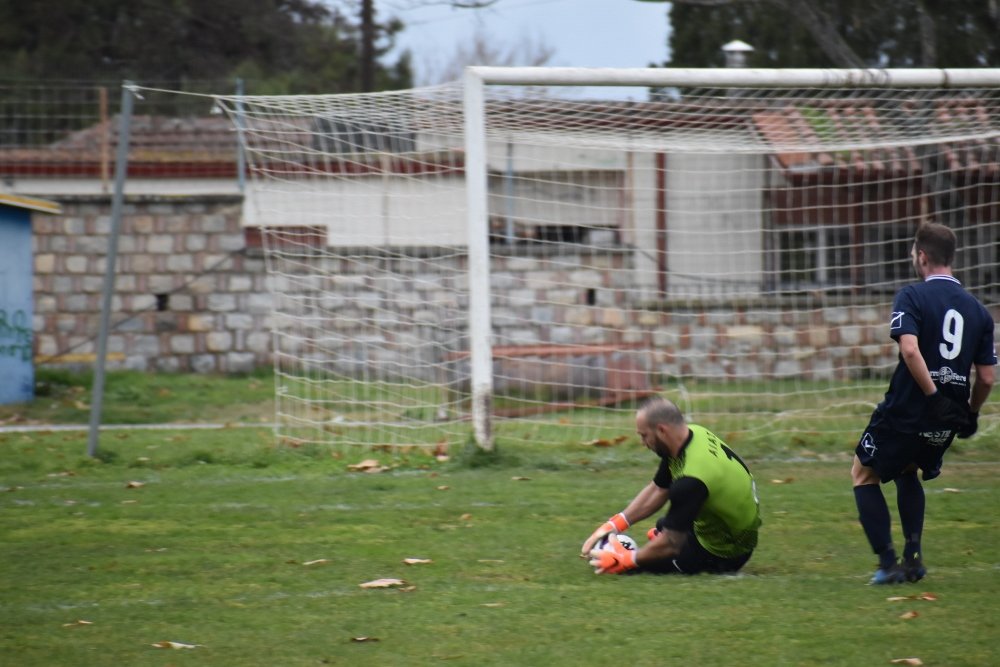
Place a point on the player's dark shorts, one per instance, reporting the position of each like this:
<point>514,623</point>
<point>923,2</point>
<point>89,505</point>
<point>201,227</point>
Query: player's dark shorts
<point>889,452</point>
<point>695,559</point>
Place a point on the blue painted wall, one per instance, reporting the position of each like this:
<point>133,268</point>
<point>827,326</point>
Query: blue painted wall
<point>17,370</point>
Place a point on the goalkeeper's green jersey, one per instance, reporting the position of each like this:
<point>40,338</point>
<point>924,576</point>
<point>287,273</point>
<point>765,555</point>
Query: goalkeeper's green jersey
<point>727,523</point>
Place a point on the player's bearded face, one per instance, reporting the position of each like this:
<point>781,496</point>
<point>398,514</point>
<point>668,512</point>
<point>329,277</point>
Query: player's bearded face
<point>653,442</point>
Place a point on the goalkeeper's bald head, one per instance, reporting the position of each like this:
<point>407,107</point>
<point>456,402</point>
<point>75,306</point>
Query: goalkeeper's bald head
<point>658,410</point>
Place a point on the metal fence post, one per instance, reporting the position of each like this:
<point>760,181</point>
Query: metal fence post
<point>121,167</point>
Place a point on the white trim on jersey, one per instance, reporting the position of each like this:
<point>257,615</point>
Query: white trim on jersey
<point>942,277</point>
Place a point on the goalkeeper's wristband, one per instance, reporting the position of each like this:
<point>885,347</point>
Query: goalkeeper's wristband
<point>617,524</point>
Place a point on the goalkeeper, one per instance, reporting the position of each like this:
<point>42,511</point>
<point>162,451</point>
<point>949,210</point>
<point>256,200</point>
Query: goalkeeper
<point>713,518</point>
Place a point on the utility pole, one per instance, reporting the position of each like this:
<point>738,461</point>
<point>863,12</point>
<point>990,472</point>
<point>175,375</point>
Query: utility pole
<point>367,46</point>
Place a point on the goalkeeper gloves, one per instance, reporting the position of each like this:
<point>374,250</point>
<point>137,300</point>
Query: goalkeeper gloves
<point>971,429</point>
<point>943,410</point>
<point>614,559</point>
<point>616,524</point>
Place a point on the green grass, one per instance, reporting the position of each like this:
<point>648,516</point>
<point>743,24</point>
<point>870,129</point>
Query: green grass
<point>131,397</point>
<point>211,550</point>
<point>211,546</point>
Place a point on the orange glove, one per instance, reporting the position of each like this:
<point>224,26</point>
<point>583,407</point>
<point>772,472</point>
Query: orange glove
<point>616,524</point>
<point>614,559</point>
<point>652,533</point>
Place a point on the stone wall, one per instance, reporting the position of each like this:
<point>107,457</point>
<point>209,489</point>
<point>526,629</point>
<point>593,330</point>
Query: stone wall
<point>190,296</point>
<point>187,296</point>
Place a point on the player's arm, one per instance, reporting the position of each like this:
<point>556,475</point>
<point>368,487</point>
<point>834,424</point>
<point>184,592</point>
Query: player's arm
<point>909,349</point>
<point>649,500</point>
<point>982,386</point>
<point>940,408</point>
<point>688,496</point>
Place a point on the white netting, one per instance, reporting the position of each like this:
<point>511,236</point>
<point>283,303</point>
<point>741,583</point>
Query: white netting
<point>735,249</point>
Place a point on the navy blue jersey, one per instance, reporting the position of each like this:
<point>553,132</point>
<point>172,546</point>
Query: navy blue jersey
<point>954,332</point>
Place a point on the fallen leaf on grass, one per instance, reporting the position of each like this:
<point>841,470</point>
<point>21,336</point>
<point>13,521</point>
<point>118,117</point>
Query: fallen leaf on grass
<point>368,465</point>
<point>383,583</point>
<point>907,661</point>
<point>364,639</point>
<point>929,597</point>
<point>169,644</point>
<point>318,561</point>
<point>77,623</point>
<point>417,561</point>
<point>493,604</point>
<point>605,442</point>
<point>519,478</point>
<point>443,488</point>
<point>908,615</point>
<point>489,560</point>
<point>466,517</point>
<point>135,485</point>
<point>949,489</point>
<point>787,480</point>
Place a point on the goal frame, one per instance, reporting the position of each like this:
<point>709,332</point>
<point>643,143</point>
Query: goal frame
<point>477,78</point>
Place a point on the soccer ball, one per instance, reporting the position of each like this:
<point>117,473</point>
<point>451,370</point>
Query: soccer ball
<point>625,540</point>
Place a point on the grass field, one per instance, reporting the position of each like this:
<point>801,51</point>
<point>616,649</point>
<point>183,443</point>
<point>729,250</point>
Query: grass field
<point>254,554</point>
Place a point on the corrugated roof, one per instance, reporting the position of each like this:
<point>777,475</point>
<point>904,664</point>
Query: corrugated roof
<point>30,203</point>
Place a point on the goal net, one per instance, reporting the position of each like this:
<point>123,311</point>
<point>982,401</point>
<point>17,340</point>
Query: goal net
<point>506,258</point>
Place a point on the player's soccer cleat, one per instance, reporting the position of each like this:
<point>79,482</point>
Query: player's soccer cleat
<point>914,568</point>
<point>893,575</point>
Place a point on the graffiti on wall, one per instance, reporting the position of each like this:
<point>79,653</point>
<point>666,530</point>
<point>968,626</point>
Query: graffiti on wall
<point>15,335</point>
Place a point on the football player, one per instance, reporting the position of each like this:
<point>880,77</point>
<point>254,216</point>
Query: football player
<point>943,332</point>
<point>712,522</point>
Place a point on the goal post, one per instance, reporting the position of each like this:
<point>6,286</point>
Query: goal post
<point>476,78</point>
<point>508,257</point>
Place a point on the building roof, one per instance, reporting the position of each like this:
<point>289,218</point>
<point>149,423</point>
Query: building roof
<point>880,143</point>
<point>30,203</point>
<point>808,137</point>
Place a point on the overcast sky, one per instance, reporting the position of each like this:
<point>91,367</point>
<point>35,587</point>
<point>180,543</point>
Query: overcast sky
<point>580,33</point>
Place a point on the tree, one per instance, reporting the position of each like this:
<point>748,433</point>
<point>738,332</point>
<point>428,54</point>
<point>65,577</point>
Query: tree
<point>838,33</point>
<point>278,45</point>
<point>481,50</point>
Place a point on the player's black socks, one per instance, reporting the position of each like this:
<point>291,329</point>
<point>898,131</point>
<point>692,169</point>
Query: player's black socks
<point>910,502</point>
<point>873,512</point>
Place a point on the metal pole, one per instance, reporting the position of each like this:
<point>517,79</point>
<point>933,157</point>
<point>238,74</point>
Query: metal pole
<point>477,228</point>
<point>742,77</point>
<point>121,166</point>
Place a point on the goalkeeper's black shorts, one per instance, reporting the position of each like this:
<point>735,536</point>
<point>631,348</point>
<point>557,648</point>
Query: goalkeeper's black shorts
<point>889,452</point>
<point>695,559</point>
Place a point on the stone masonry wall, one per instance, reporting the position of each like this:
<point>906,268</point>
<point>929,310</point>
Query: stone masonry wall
<point>187,297</point>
